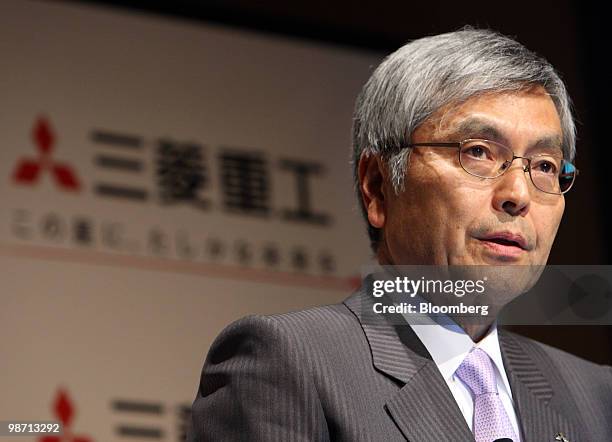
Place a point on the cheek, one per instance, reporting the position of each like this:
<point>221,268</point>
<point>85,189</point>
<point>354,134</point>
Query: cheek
<point>463,212</point>
<point>437,206</point>
<point>450,210</point>
<point>547,225</point>
<point>458,205</point>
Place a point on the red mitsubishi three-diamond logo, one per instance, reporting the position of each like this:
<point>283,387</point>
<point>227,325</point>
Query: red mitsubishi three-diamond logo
<point>29,169</point>
<point>64,412</point>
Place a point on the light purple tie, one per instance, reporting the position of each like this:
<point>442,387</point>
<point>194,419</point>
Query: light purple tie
<point>490,419</point>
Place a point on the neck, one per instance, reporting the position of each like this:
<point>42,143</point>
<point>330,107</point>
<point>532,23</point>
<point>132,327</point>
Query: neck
<point>476,332</point>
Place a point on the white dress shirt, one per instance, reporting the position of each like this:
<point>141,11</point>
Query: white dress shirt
<point>448,345</point>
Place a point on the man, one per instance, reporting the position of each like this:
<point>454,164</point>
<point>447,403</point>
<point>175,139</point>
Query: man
<point>463,145</point>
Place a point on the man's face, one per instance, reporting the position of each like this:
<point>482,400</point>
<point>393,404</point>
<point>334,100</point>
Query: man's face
<point>446,216</point>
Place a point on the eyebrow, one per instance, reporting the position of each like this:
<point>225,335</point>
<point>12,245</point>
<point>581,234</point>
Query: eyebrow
<point>548,143</point>
<point>476,127</point>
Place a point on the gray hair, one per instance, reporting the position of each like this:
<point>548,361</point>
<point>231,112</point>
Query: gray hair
<point>429,73</point>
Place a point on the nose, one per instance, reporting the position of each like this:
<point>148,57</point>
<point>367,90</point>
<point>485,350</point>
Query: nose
<point>511,192</point>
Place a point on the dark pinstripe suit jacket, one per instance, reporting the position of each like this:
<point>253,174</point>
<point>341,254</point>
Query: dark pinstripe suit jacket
<point>321,374</point>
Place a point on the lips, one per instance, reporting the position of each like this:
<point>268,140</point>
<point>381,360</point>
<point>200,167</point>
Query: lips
<point>505,245</point>
<point>507,239</point>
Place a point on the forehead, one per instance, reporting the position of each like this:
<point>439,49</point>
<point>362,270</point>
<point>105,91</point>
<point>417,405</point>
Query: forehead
<point>512,117</point>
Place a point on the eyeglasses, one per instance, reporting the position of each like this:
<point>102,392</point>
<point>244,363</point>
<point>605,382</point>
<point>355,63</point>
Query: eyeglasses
<point>489,159</point>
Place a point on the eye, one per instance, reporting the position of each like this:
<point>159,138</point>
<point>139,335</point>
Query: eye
<point>477,151</point>
<point>547,167</point>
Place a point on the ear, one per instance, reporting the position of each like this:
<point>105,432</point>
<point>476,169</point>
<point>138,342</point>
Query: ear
<point>371,186</point>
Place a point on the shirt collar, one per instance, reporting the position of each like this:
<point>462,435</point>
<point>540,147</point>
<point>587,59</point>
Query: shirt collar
<point>449,344</point>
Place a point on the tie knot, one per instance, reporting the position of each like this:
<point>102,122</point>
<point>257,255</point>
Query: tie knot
<point>477,372</point>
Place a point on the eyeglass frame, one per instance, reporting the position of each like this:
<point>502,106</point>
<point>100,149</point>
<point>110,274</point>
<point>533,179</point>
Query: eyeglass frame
<point>527,168</point>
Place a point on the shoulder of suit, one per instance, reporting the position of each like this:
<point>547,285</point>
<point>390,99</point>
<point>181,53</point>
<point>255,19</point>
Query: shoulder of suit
<point>315,315</point>
<point>320,328</point>
<point>326,318</point>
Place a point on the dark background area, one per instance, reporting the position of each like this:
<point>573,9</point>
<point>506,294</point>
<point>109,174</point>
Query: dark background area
<point>570,34</point>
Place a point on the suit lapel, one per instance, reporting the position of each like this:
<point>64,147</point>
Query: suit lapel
<point>423,408</point>
<point>543,406</point>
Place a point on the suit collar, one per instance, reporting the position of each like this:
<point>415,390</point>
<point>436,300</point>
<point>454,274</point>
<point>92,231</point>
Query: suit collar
<point>396,350</point>
<point>423,408</point>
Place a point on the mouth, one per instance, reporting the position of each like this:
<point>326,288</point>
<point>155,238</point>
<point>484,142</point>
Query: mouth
<point>505,244</point>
